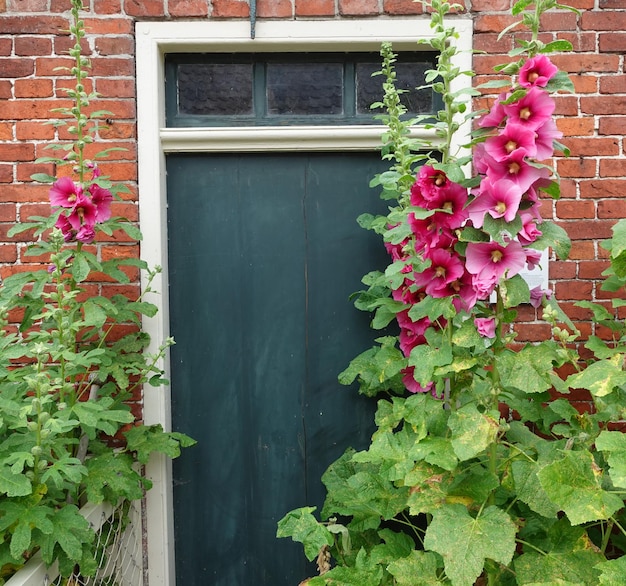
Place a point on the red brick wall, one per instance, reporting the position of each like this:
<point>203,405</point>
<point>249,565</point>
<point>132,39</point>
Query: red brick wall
<point>33,44</point>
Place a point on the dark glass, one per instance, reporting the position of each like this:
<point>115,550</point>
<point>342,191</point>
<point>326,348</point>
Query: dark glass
<point>215,89</point>
<point>408,76</point>
<point>304,88</point>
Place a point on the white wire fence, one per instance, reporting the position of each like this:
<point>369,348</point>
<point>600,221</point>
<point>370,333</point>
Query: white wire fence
<point>118,546</point>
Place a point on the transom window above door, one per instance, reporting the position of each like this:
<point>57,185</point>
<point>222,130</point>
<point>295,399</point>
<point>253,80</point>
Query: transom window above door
<point>279,89</point>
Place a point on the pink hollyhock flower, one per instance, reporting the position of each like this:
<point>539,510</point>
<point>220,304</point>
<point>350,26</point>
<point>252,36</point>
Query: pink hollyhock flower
<point>411,333</point>
<point>481,159</point>
<point>444,269</point>
<point>486,326</point>
<point>84,212</point>
<point>518,170</point>
<point>102,199</point>
<point>544,141</point>
<point>537,295</point>
<point>429,183</point>
<point>86,234</point>
<point>496,114</point>
<point>451,200</point>
<point>491,260</point>
<point>499,199</point>
<point>512,140</point>
<point>484,285</point>
<point>462,291</point>
<point>533,258</point>
<point>64,192</point>
<point>412,385</point>
<point>429,235</point>
<point>531,111</point>
<point>537,71</point>
<point>529,232</point>
<point>64,225</point>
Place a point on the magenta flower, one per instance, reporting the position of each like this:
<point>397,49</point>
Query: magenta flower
<point>428,185</point>
<point>544,141</point>
<point>411,333</point>
<point>537,295</point>
<point>64,192</point>
<point>64,225</point>
<point>102,199</point>
<point>444,269</point>
<point>518,170</point>
<point>486,326</point>
<point>83,213</point>
<point>86,234</point>
<point>537,71</point>
<point>529,232</point>
<point>533,258</point>
<point>496,114</point>
<point>531,111</point>
<point>514,139</point>
<point>491,260</point>
<point>412,385</point>
<point>499,199</point>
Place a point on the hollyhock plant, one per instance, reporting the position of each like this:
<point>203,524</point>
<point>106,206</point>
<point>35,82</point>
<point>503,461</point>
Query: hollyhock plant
<point>499,199</point>
<point>486,326</point>
<point>492,260</point>
<point>531,111</point>
<point>514,139</point>
<point>537,71</point>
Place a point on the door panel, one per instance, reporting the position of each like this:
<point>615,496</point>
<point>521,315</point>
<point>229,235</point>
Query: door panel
<point>264,251</point>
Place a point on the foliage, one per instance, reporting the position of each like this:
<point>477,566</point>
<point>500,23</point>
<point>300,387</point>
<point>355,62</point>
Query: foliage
<point>480,470</point>
<point>71,358</point>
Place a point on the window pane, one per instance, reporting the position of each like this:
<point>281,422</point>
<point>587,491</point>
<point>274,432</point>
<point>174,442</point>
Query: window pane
<point>408,76</point>
<point>215,89</point>
<point>304,88</point>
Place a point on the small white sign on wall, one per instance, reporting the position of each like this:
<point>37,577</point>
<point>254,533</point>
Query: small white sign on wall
<point>538,277</point>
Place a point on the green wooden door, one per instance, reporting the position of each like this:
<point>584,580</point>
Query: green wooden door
<point>264,251</point>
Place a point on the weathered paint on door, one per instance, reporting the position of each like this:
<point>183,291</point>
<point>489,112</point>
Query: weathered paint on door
<point>264,251</point>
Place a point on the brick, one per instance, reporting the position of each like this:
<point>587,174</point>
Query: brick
<point>109,26</point>
<point>587,229</point>
<point>6,131</point>
<point>188,8</point>
<point>398,7</point>
<point>612,125</point>
<point>612,168</point>
<point>491,5</point>
<point>315,7</point>
<point>24,25</point>
<point>17,152</point>
<point>8,212</point>
<point>112,67</point>
<point>6,173</point>
<point>3,5</point>
<point>575,209</point>
<point>582,4</point>
<point>612,208</point>
<point>592,146</point>
<point>582,250</point>
<point>62,46</point>
<point>584,84</point>
<point>128,154</point>
<point>576,126</point>
<point>581,42</point>
<point>230,9</point>
<point>6,47</point>
<point>144,7</point>
<point>274,8</point>
<point>558,21</point>
<point>490,43</point>
<point>118,130</point>
<point>33,88</point>
<point>61,86</point>
<point>600,188</point>
<point>8,253</point>
<point>114,45</point>
<point>592,269</point>
<point>33,46</point>
<point>612,4</point>
<point>585,63</point>
<point>107,6</point>
<point>613,84</point>
<point>26,170</point>
<point>613,42</point>
<point>16,67</point>
<point>603,21</point>
<point>577,167</point>
<point>116,88</point>
<point>576,290</point>
<point>33,131</point>
<point>31,109</point>
<point>29,5</point>
<point>5,89</point>
<point>493,23</point>
<point>603,105</point>
<point>358,7</point>
<point>24,192</point>
<point>559,269</point>
<point>49,66</point>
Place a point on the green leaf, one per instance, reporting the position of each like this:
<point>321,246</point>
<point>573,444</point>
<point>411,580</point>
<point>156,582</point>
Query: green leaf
<point>529,489</point>
<point>528,369</point>
<point>555,237</point>
<point>559,46</point>
<point>600,377</point>
<point>472,431</point>
<point>43,178</point>
<point>80,268</point>
<point>71,531</point>
<point>613,572</point>
<point>561,82</point>
<point>419,568</point>
<point>573,483</point>
<point>426,358</point>
<point>520,6</point>
<point>433,308</point>
<point>145,439</point>
<point>111,477</point>
<point>466,542</point>
<point>303,527</point>
<point>515,291</point>
<point>14,484</point>
<point>558,568</point>
<point>614,442</point>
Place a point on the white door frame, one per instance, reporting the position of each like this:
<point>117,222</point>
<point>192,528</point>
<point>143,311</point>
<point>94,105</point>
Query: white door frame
<point>153,41</point>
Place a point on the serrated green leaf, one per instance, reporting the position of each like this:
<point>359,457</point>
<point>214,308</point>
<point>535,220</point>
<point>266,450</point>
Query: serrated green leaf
<point>558,46</point>
<point>43,178</point>
<point>573,567</point>
<point>80,268</point>
<point>528,369</point>
<point>612,572</point>
<point>304,528</point>
<point>573,483</point>
<point>472,431</point>
<point>466,542</point>
<point>601,377</point>
<point>145,439</point>
<point>555,237</point>
<point>614,442</point>
<point>111,478</point>
<point>529,490</point>
<point>419,568</point>
<point>561,82</point>
<point>14,484</point>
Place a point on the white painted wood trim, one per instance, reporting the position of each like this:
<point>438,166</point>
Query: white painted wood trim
<point>153,41</point>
